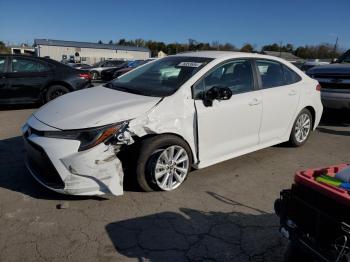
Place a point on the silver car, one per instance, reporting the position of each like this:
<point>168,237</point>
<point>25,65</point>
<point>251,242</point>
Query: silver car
<point>104,65</point>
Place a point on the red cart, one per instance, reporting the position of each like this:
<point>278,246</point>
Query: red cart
<point>315,217</point>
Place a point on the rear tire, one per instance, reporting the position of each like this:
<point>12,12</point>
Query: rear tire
<point>94,75</point>
<point>302,128</point>
<point>149,165</point>
<point>54,92</point>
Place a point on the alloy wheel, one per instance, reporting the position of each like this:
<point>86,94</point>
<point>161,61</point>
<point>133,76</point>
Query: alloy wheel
<point>171,168</point>
<point>302,128</point>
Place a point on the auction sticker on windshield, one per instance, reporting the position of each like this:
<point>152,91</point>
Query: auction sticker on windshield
<point>190,64</point>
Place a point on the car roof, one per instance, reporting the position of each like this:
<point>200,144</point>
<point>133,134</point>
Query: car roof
<point>226,54</point>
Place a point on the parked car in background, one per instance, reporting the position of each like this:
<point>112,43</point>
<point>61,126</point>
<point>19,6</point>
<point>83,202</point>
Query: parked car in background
<point>297,64</point>
<point>158,121</point>
<point>131,65</point>
<point>79,65</point>
<point>104,65</point>
<point>27,79</point>
<point>335,82</point>
<point>310,64</point>
<point>107,75</point>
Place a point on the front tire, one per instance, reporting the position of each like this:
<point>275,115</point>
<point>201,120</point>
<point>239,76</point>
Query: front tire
<point>301,129</point>
<point>163,163</point>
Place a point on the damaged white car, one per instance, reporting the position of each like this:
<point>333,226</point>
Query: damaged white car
<point>160,120</point>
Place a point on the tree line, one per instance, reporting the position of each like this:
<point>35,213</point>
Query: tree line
<point>321,51</point>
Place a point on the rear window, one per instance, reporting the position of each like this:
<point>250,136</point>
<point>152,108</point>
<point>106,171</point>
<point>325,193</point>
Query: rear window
<point>290,76</point>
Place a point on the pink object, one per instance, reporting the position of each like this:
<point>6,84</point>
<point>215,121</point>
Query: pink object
<point>307,178</point>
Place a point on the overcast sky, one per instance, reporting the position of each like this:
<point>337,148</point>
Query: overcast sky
<point>298,22</point>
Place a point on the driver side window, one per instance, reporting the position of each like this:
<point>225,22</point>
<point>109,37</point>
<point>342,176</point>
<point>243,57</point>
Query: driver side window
<point>236,75</point>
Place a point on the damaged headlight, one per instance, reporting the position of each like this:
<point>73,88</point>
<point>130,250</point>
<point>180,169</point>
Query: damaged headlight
<point>90,137</point>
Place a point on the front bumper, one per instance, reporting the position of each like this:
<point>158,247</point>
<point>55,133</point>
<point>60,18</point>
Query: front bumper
<point>57,164</point>
<point>335,99</point>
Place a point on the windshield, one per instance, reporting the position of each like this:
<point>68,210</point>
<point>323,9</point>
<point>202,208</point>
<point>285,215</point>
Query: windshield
<point>161,77</point>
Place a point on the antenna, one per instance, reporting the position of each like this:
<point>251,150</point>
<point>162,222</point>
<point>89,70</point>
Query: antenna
<point>280,49</point>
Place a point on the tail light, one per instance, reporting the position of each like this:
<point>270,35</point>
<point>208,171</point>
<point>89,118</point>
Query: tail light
<point>318,87</point>
<point>86,76</point>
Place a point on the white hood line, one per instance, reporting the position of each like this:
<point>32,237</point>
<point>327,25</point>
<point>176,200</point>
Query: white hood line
<point>94,107</point>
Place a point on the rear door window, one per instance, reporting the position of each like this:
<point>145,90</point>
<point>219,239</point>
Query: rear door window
<point>271,73</point>
<point>274,74</point>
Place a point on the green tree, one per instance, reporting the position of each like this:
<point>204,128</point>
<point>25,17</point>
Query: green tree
<point>4,49</point>
<point>248,48</point>
<point>121,41</point>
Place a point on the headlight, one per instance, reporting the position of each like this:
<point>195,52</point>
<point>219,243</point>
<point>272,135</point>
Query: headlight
<point>89,137</point>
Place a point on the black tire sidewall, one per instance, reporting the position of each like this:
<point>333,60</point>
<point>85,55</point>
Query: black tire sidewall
<point>293,139</point>
<point>148,155</point>
<point>52,89</point>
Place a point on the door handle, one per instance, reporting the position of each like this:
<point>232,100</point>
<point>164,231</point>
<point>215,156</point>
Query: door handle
<point>292,93</point>
<point>254,102</point>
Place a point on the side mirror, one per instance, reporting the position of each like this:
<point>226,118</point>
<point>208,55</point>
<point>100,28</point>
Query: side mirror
<point>218,93</point>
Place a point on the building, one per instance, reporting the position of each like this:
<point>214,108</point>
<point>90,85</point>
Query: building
<point>161,54</point>
<point>285,55</point>
<point>22,50</point>
<point>85,52</point>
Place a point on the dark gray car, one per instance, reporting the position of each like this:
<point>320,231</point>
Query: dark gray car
<point>335,82</point>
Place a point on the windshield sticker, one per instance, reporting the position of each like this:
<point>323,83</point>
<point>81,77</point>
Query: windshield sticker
<point>190,64</point>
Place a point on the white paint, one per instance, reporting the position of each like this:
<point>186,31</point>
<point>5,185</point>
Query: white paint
<point>92,107</point>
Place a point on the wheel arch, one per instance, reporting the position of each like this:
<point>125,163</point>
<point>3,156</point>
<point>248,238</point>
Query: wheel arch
<point>193,155</point>
<point>313,114</point>
<point>52,83</point>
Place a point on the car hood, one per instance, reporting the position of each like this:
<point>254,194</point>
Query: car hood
<point>93,107</point>
<point>336,69</point>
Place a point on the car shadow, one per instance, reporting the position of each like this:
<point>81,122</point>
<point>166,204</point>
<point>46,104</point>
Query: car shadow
<point>195,235</point>
<point>334,132</point>
<point>15,177</point>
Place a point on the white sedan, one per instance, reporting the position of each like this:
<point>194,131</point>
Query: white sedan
<point>159,120</point>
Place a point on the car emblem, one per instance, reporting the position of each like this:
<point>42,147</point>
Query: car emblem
<point>29,131</point>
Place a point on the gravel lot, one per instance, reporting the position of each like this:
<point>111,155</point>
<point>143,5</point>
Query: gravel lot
<point>222,213</point>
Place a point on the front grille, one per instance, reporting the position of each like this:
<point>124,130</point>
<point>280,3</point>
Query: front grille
<point>331,76</point>
<point>334,85</point>
<point>41,165</point>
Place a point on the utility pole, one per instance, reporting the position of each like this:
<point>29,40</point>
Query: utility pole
<point>281,49</point>
<point>335,48</point>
